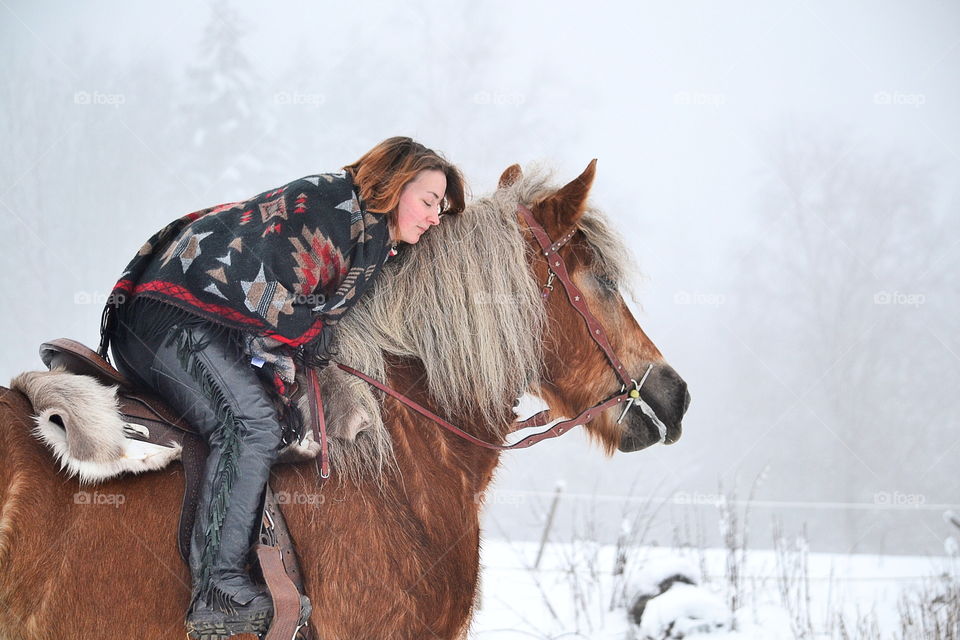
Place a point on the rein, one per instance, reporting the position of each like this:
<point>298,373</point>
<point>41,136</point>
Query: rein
<point>557,269</point>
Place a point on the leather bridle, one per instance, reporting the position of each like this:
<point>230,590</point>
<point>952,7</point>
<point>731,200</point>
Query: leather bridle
<point>556,269</point>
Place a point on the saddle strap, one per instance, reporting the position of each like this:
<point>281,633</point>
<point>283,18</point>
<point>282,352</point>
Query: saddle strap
<point>291,576</point>
<point>274,517</point>
<point>318,421</point>
<point>286,598</point>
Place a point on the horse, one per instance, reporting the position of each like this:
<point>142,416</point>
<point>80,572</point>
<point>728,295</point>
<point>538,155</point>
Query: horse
<point>389,546</point>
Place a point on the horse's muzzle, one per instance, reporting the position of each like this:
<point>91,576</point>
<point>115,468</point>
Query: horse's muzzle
<point>658,418</point>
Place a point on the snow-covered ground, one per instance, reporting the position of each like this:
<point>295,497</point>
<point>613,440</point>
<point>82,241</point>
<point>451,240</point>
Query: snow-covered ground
<point>577,593</point>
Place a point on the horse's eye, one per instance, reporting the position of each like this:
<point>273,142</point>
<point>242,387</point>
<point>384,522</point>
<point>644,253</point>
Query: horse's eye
<point>606,282</point>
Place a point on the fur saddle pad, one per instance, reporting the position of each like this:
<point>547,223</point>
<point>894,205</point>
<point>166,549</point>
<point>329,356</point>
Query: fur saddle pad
<point>78,418</point>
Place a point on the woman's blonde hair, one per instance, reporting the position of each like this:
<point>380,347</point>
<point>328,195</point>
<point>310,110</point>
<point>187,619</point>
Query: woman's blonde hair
<point>382,172</point>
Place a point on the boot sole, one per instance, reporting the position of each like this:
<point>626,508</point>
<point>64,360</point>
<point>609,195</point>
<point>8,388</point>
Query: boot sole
<point>257,624</point>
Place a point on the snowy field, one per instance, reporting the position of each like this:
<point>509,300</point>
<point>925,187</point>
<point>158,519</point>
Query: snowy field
<point>577,592</point>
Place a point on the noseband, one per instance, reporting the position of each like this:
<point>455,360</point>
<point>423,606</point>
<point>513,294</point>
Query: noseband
<point>557,270</point>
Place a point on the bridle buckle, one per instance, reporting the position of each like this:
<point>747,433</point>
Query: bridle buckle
<point>550,279</point>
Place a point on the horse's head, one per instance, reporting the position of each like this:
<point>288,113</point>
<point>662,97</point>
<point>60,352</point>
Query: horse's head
<point>577,372</point>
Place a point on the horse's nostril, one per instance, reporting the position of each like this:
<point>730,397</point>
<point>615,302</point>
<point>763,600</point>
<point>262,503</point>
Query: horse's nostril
<point>686,400</point>
<point>57,420</point>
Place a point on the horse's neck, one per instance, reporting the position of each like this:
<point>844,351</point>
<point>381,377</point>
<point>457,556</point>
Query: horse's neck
<point>414,538</point>
<point>425,449</point>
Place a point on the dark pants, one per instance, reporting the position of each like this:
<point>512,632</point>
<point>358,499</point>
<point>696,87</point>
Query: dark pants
<point>204,376</point>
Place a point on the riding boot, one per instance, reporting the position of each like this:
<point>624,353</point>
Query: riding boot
<point>200,373</point>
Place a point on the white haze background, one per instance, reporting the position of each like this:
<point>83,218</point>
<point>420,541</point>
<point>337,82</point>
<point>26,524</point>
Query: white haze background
<point>785,174</point>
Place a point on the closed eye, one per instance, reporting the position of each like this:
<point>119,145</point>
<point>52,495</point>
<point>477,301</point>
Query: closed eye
<point>606,282</point>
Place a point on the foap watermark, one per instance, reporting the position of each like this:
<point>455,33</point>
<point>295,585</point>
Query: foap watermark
<point>697,297</point>
<point>298,497</point>
<point>899,500</point>
<point>899,298</point>
<point>99,298</point>
<point>514,498</point>
<point>897,98</point>
<point>697,498</point>
<point>499,98</point>
<point>312,299</point>
<point>299,98</point>
<point>99,98</point>
<point>97,498</point>
<point>699,98</point>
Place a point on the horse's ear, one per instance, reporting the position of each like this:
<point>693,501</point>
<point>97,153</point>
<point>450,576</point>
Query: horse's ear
<point>568,203</point>
<point>509,176</point>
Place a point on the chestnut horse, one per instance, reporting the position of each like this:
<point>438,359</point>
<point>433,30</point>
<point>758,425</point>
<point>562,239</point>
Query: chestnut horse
<point>390,556</point>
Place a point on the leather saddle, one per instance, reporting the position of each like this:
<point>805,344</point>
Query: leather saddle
<point>163,427</point>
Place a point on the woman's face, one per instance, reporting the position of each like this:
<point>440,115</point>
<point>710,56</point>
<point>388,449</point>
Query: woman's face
<point>419,206</point>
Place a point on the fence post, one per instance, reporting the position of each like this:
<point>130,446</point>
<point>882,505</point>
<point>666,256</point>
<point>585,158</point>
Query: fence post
<point>549,524</point>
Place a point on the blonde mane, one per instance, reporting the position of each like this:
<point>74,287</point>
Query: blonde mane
<point>464,302</point>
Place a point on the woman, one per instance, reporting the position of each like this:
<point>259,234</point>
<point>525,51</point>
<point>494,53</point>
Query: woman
<point>219,309</point>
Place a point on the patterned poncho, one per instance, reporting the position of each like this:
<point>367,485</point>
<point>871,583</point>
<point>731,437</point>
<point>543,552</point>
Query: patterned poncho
<point>280,266</point>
